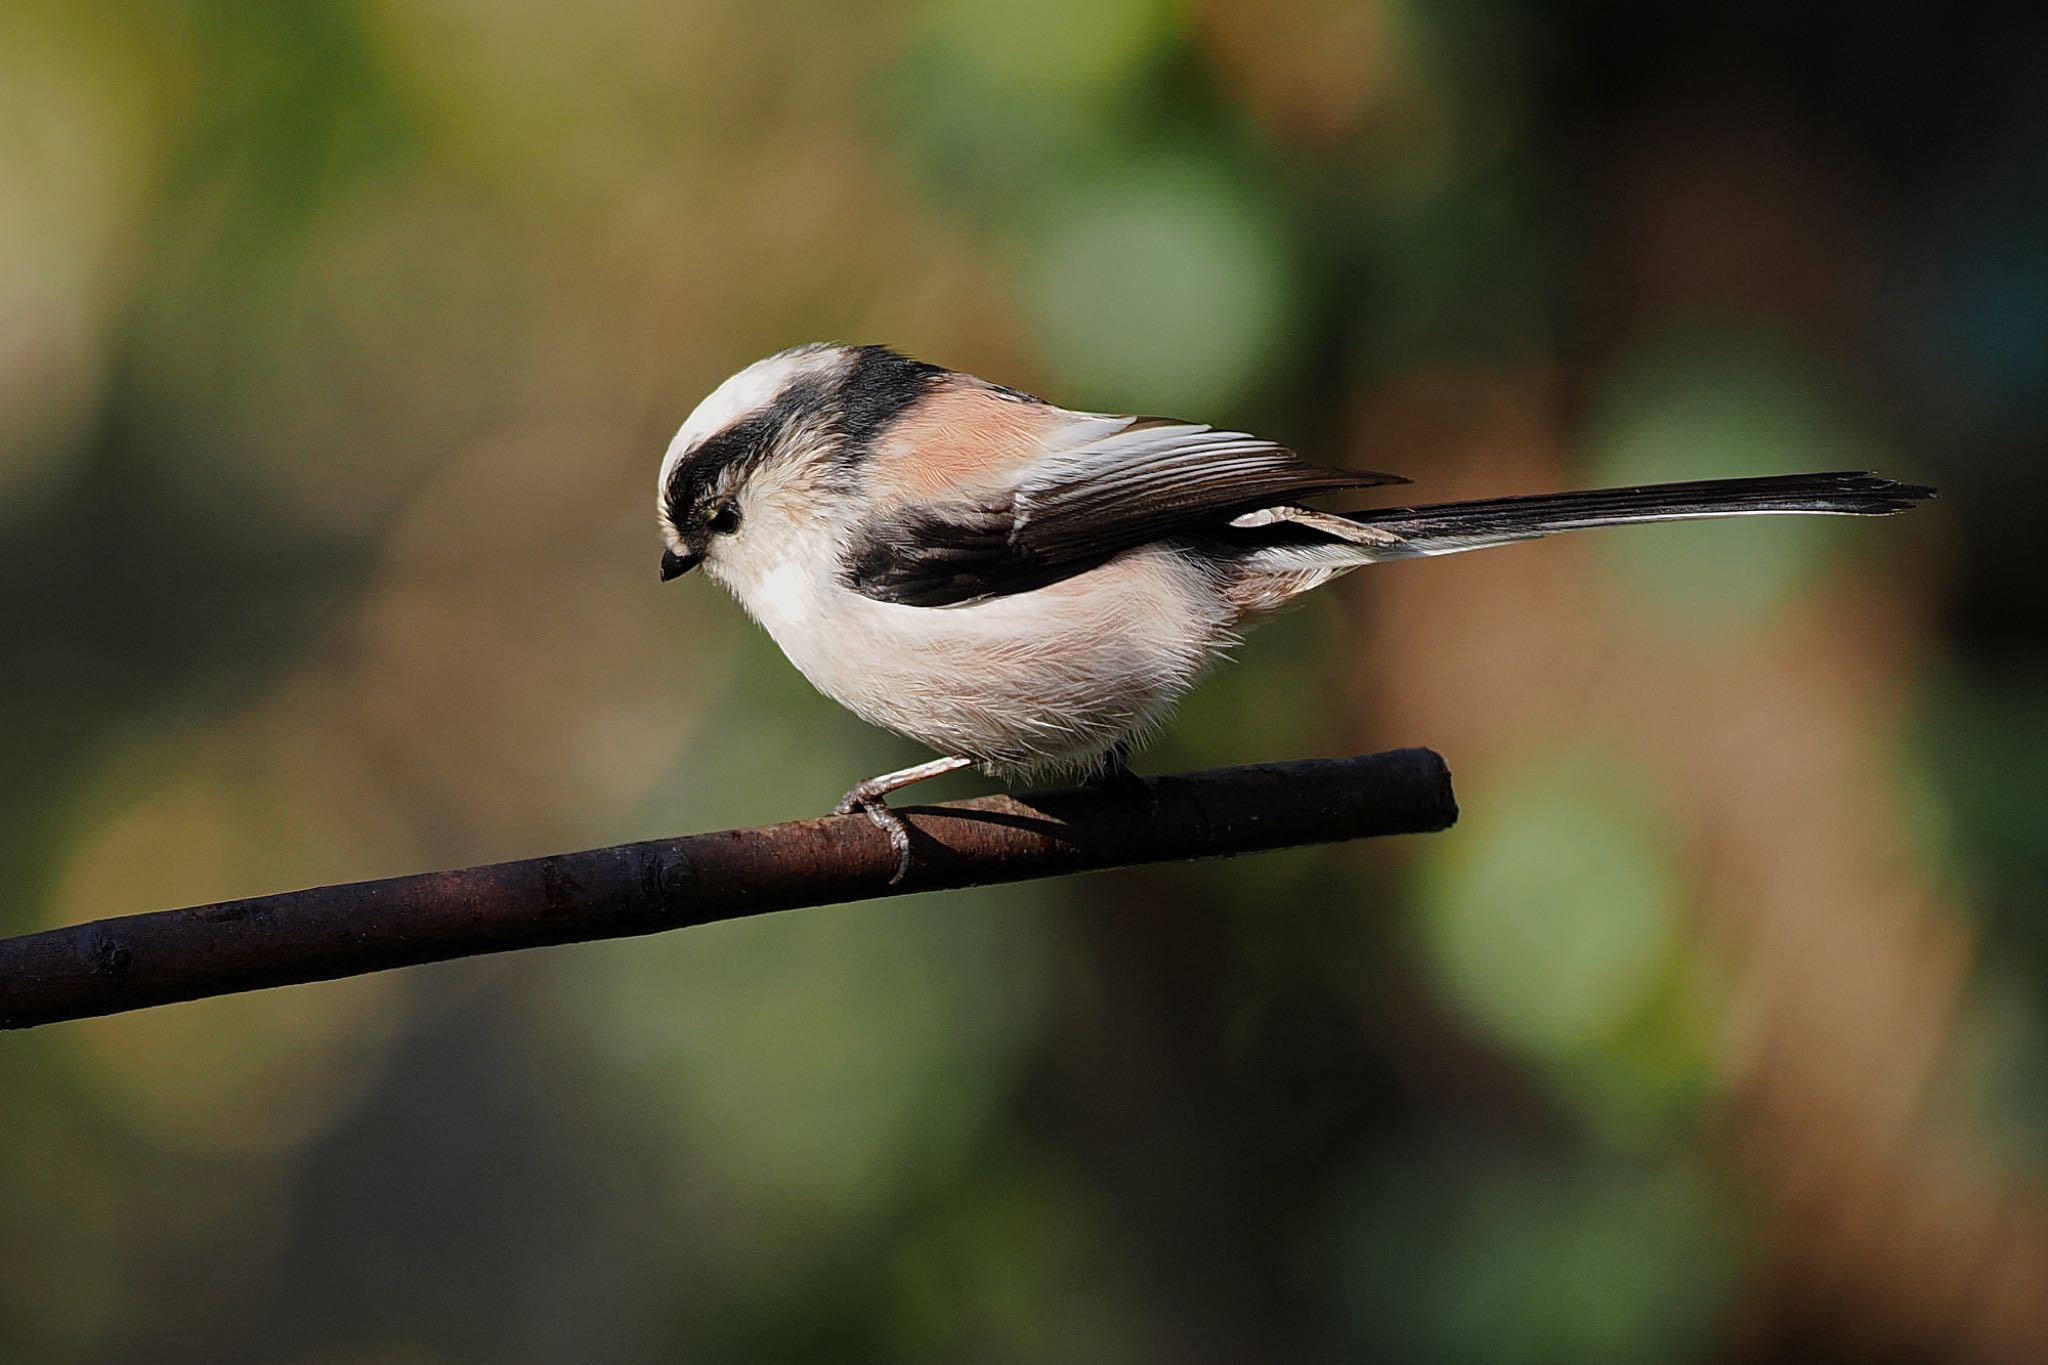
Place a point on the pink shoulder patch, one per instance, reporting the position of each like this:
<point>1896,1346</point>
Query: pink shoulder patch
<point>963,436</point>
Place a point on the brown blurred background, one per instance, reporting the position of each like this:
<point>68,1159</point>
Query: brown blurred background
<point>339,343</point>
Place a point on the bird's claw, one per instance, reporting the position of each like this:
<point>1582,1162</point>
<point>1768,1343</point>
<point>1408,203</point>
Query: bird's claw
<point>876,807</point>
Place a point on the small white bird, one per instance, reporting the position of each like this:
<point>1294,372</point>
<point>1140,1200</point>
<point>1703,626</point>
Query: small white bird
<point>1026,588</point>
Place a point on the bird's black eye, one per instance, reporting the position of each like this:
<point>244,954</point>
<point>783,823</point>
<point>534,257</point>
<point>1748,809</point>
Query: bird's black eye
<point>724,519</point>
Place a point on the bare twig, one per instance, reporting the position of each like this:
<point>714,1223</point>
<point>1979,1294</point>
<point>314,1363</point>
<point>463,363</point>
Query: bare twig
<point>111,965</point>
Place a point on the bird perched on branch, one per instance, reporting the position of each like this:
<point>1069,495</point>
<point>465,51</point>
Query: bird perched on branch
<point>1022,587</point>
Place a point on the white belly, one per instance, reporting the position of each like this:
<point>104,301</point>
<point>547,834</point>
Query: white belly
<point>1047,678</point>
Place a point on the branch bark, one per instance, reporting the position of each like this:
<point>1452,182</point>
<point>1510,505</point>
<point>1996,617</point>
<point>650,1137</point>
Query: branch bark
<point>107,966</point>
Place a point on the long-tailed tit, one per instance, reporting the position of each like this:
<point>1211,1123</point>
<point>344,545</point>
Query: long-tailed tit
<point>1022,587</point>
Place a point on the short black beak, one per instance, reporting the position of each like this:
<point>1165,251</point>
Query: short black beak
<point>674,565</point>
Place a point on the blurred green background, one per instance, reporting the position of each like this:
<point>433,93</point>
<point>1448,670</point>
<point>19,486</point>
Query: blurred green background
<point>338,346</point>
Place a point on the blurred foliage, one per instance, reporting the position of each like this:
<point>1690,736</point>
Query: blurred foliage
<point>1554,925</point>
<point>338,343</point>
<point>1469,1255</point>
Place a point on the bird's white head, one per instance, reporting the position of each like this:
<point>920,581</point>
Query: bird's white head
<point>765,446</point>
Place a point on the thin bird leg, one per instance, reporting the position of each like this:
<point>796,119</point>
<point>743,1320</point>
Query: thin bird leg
<point>870,796</point>
<point>1115,771</point>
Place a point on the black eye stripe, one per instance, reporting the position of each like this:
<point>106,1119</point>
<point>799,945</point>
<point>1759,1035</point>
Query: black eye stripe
<point>726,458</point>
<point>740,444</point>
<point>875,387</point>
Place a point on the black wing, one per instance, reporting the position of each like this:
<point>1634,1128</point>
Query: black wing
<point>1112,484</point>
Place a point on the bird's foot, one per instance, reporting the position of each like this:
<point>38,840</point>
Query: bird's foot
<point>870,796</point>
<point>872,800</point>
<point>1119,778</point>
<point>1115,773</point>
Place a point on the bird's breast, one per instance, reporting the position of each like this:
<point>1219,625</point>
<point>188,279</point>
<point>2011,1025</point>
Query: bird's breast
<point>1055,675</point>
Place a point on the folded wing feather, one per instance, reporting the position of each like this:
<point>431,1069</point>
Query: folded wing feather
<point>1097,485</point>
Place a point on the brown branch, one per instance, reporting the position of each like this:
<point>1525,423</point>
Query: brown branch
<point>110,965</point>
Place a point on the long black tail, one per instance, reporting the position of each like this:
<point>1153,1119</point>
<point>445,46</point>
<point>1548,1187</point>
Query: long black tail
<point>1447,528</point>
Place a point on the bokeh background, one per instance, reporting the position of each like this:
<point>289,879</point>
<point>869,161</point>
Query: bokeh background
<point>338,345</point>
